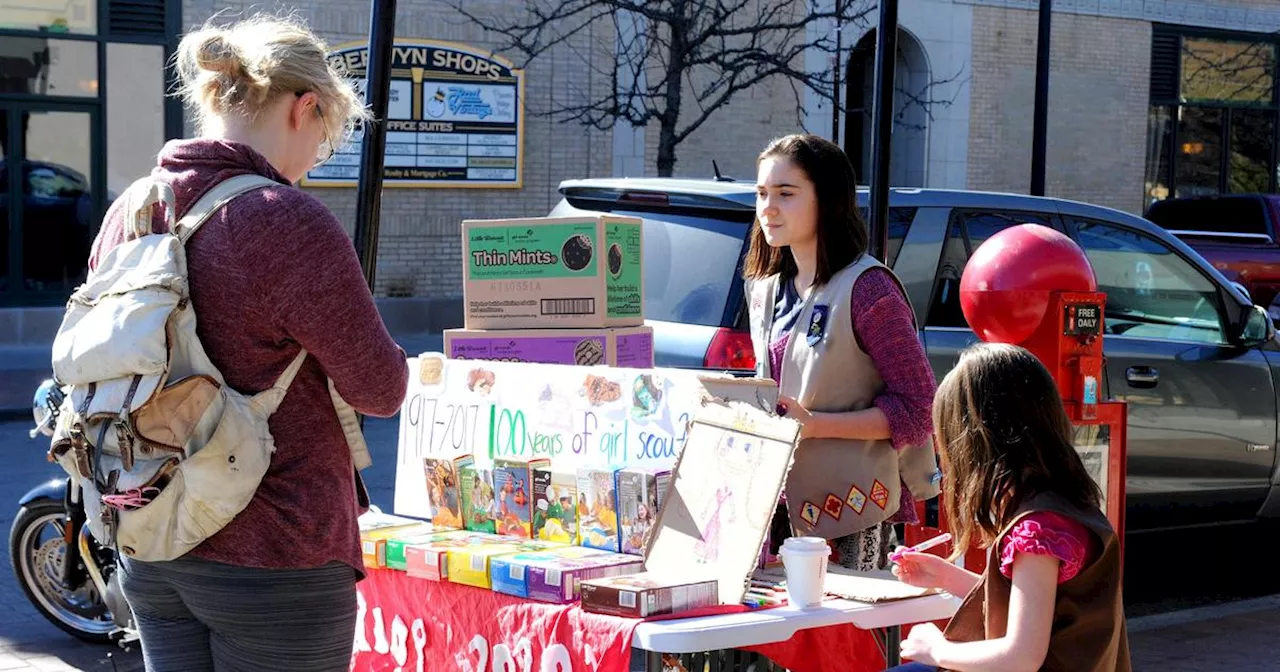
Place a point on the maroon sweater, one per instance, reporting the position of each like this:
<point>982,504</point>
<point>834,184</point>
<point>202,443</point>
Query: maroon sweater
<point>271,273</point>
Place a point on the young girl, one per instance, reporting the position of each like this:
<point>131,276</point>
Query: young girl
<point>816,297</point>
<point>1050,598</point>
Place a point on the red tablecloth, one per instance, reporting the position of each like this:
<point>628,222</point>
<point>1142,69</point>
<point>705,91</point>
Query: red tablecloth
<point>415,624</point>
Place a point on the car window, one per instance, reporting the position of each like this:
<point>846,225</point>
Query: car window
<point>690,263</point>
<point>1151,291</point>
<point>1216,215</point>
<point>966,231</point>
<point>899,225</point>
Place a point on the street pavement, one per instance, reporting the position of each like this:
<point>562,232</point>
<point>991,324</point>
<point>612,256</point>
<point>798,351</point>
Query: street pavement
<point>1192,606</point>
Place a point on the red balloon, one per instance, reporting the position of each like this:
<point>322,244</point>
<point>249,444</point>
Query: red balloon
<point>1004,292</point>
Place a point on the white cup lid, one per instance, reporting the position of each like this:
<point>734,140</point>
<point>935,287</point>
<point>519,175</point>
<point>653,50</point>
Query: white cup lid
<point>806,545</point>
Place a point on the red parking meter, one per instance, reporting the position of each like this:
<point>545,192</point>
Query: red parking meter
<point>1032,286</point>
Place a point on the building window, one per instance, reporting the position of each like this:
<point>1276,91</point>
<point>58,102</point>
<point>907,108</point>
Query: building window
<point>1211,126</point>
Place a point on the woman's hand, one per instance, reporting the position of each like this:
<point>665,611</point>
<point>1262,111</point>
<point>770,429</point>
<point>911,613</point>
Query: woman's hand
<point>790,408</point>
<point>923,570</point>
<point>920,646</point>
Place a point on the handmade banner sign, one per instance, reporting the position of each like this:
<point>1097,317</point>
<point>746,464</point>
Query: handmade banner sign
<point>577,416</point>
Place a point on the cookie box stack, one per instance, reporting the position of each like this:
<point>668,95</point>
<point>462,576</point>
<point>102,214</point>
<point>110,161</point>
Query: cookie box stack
<point>553,290</point>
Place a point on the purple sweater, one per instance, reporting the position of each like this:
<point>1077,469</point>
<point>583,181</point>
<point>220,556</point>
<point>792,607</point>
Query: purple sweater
<point>885,330</point>
<point>271,273</point>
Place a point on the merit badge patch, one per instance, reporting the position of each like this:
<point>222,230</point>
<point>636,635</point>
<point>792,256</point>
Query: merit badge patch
<point>879,494</point>
<point>817,325</point>
<point>833,506</point>
<point>810,512</point>
<point>856,500</point>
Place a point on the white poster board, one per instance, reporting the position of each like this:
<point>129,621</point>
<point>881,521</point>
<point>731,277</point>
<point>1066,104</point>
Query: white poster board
<point>575,415</point>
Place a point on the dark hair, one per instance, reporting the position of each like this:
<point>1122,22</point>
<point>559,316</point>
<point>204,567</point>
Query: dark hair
<point>842,235</point>
<point>1003,436</point>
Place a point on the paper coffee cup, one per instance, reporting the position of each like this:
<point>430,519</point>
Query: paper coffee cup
<point>805,561</point>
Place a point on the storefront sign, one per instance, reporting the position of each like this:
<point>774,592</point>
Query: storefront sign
<point>455,118</point>
<point>574,415</point>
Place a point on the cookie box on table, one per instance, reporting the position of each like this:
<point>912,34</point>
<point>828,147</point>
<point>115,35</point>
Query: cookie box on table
<point>559,580</point>
<point>373,543</point>
<point>645,594</point>
<point>430,559</point>
<point>469,565</point>
<point>395,556</point>
<point>627,347</point>
<point>598,509</point>
<point>552,272</point>
<point>555,513</point>
<point>509,573</point>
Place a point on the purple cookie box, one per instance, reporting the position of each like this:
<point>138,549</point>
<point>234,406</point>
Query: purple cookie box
<point>573,571</point>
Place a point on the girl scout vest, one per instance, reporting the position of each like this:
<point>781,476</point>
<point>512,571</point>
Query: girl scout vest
<point>1088,612</point>
<point>837,487</point>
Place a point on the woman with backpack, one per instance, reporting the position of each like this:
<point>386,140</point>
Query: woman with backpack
<point>271,273</point>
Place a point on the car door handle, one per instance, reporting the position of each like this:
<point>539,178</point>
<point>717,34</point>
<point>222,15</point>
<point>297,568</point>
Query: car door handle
<point>1142,376</point>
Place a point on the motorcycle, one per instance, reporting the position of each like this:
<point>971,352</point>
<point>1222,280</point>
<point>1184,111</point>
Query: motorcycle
<point>66,575</point>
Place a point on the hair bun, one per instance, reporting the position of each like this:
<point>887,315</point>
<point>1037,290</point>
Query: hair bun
<point>216,53</point>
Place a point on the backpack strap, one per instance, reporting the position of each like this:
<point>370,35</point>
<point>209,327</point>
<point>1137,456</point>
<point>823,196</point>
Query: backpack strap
<point>140,201</point>
<point>214,199</point>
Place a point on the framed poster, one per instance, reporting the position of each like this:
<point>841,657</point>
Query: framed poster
<point>455,118</point>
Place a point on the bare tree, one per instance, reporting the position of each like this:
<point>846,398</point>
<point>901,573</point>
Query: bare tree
<point>669,50</point>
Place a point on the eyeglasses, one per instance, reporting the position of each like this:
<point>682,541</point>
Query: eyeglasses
<point>326,149</point>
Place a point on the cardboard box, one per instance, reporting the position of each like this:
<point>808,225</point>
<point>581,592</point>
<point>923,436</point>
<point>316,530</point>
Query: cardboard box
<point>430,559</point>
<point>627,347</point>
<point>396,546</point>
<point>443,493</point>
<point>513,483</point>
<point>373,543</point>
<point>646,594</point>
<point>598,509</point>
<point>478,501</point>
<point>553,272</point>
<point>560,580</point>
<point>469,565</point>
<point>641,493</point>
<point>509,573</point>
<point>555,509</point>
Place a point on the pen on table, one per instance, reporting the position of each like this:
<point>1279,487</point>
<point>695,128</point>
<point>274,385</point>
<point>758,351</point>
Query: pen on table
<point>921,547</point>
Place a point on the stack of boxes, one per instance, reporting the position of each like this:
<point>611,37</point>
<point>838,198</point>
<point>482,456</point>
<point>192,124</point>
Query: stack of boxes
<point>549,290</point>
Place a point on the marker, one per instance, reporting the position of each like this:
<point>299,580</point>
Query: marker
<point>921,547</point>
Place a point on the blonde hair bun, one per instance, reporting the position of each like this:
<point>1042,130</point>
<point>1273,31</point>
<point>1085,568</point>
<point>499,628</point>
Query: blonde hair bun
<point>239,69</point>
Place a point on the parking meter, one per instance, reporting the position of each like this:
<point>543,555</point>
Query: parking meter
<point>1032,286</point>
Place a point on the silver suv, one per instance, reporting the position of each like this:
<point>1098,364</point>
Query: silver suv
<point>1197,362</point>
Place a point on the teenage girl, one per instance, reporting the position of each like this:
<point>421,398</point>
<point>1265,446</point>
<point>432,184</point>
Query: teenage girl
<point>834,328</point>
<point>1050,598</point>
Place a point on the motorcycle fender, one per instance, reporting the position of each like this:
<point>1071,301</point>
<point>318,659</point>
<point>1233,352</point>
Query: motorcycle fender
<point>54,490</point>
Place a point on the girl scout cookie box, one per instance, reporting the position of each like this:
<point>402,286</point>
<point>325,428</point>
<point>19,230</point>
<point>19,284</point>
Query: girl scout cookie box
<point>552,272</point>
<point>557,579</point>
<point>469,565</point>
<point>430,559</point>
<point>509,573</point>
<point>626,347</point>
<point>396,546</point>
<point>645,594</point>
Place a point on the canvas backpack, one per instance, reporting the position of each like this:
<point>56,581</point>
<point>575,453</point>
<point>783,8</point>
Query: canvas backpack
<point>166,452</point>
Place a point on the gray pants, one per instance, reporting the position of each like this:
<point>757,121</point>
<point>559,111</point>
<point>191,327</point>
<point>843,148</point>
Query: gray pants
<point>201,616</point>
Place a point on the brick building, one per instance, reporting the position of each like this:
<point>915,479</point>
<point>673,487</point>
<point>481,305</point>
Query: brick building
<point>1148,98</point>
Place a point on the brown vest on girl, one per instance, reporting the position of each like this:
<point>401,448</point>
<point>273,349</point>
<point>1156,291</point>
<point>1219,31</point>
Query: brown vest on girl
<point>836,487</point>
<point>1088,613</point>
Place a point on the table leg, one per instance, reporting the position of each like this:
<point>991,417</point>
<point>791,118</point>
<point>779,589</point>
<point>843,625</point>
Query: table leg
<point>893,646</point>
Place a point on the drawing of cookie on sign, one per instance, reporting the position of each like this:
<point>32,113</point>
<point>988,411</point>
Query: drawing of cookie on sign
<point>576,252</point>
<point>480,381</point>
<point>615,260</point>
<point>588,352</point>
<point>600,390</point>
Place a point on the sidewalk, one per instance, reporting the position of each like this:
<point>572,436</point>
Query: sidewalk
<point>1238,636</point>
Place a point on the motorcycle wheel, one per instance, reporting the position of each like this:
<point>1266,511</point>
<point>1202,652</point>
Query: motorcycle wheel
<point>37,550</point>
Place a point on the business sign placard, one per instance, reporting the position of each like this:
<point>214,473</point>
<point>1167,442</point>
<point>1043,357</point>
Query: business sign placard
<point>455,118</point>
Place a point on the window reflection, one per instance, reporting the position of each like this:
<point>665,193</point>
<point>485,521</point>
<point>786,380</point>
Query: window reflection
<point>57,209</point>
